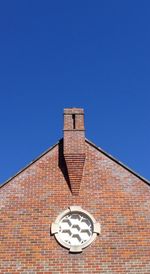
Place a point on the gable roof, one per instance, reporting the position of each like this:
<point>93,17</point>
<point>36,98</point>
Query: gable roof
<point>93,145</point>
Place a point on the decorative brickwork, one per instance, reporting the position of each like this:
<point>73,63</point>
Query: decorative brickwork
<point>117,198</point>
<point>74,146</point>
<point>75,229</point>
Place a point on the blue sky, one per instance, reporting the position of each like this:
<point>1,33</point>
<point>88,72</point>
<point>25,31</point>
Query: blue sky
<point>90,54</point>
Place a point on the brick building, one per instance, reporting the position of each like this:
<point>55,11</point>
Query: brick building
<point>75,209</point>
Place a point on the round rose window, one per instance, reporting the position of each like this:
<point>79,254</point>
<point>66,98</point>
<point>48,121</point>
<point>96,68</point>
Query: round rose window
<point>75,228</point>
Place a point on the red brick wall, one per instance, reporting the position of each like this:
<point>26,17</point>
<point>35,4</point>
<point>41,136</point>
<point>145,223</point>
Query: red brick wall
<point>74,146</point>
<point>32,200</point>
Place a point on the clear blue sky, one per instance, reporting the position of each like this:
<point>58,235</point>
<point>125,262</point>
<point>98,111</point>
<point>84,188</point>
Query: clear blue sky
<point>90,54</point>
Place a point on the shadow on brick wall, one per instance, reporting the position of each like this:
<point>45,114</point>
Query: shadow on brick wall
<point>62,163</point>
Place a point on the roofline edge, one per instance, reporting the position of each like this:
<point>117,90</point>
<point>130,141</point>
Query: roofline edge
<point>92,144</point>
<point>118,162</point>
<point>28,165</point>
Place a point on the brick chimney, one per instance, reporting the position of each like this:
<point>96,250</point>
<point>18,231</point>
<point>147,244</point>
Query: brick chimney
<point>74,146</point>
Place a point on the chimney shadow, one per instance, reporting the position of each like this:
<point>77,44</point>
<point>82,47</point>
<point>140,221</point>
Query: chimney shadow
<point>62,164</point>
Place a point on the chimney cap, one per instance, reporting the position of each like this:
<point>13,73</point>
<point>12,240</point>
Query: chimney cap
<point>74,111</point>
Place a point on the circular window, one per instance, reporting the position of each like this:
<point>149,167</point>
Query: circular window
<point>75,228</point>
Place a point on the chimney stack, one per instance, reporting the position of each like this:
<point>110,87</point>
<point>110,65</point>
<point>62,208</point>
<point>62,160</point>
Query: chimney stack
<point>74,146</point>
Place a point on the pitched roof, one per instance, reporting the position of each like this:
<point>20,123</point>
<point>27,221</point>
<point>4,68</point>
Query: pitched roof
<point>32,162</point>
<point>93,145</point>
<point>118,162</point>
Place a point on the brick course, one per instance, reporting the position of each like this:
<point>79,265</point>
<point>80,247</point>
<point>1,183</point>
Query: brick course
<point>116,197</point>
<point>74,147</point>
